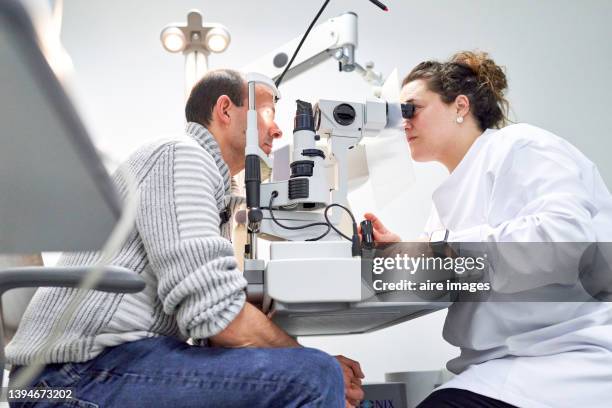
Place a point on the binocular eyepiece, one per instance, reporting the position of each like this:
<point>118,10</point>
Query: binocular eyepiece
<point>407,110</point>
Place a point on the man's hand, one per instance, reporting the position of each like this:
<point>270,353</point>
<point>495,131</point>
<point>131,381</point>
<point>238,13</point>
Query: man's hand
<point>380,232</point>
<point>352,380</point>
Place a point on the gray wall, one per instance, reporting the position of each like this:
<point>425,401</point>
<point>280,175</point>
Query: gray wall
<point>557,54</point>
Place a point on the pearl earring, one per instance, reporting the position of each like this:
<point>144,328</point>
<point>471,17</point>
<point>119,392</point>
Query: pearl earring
<point>459,119</point>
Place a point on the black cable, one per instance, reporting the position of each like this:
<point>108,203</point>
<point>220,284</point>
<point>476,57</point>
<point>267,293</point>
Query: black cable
<point>332,225</point>
<point>321,236</point>
<point>299,227</point>
<point>280,78</point>
<point>379,5</point>
<point>355,242</point>
<point>355,239</point>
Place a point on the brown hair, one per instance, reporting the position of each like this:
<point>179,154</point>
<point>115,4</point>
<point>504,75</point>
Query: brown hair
<point>472,74</point>
<point>207,90</point>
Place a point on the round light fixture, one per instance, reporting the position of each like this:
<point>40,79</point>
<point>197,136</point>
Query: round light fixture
<point>173,39</point>
<point>217,39</point>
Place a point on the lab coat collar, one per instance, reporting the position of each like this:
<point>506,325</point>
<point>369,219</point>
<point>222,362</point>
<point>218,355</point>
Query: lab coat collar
<point>471,153</point>
<point>208,142</point>
<point>444,195</point>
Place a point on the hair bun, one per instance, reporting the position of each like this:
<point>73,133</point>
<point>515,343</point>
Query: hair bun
<point>485,68</point>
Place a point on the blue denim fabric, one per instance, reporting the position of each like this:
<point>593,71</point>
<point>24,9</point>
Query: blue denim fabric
<point>165,372</point>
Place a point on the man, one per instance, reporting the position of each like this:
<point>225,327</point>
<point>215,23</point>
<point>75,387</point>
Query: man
<point>131,350</point>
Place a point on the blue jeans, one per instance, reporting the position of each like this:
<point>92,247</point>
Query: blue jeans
<point>166,372</point>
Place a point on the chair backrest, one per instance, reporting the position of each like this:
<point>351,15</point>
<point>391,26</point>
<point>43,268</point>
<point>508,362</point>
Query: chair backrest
<point>55,194</point>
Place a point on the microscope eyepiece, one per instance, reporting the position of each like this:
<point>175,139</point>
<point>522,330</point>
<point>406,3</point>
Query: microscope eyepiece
<point>304,119</point>
<point>407,110</point>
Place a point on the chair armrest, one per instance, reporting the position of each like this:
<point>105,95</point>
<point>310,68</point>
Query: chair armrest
<point>114,278</point>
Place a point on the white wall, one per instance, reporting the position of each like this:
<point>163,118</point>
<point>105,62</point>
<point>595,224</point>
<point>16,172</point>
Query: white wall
<point>557,54</point>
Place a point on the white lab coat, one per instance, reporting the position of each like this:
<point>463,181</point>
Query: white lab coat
<point>524,184</point>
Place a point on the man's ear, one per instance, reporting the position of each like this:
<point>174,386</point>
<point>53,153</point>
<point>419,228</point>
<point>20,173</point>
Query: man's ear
<point>221,110</point>
<point>462,103</point>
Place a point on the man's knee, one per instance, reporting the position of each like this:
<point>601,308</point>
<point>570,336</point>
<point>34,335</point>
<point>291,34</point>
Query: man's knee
<point>321,363</point>
<point>320,370</point>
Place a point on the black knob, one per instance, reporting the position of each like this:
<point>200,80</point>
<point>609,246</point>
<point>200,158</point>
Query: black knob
<point>367,234</point>
<point>344,114</point>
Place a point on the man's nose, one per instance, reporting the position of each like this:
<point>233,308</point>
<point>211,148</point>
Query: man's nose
<point>275,132</point>
<point>407,124</point>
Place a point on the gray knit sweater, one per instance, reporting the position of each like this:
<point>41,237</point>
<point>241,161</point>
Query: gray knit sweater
<point>193,287</point>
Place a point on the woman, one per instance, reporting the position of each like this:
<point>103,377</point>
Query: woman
<point>515,184</point>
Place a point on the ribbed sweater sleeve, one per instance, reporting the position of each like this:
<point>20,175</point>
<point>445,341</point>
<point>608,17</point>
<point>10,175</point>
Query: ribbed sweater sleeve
<point>178,220</point>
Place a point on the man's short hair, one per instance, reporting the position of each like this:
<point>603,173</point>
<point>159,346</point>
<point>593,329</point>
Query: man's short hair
<point>206,92</point>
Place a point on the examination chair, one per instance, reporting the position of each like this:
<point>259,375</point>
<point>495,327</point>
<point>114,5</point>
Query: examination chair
<point>55,193</point>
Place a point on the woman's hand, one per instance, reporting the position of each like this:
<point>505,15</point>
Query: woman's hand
<point>380,232</point>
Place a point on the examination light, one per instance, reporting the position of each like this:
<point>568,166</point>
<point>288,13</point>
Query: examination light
<point>196,40</point>
<point>217,39</point>
<point>173,39</point>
